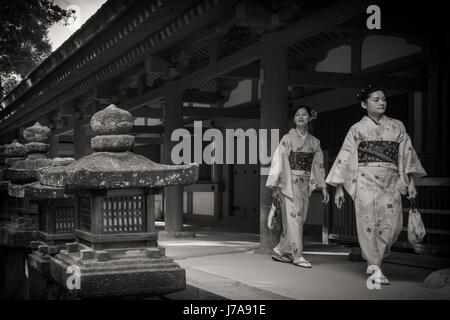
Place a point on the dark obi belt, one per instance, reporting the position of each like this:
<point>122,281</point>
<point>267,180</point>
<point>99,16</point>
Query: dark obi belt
<point>378,151</point>
<point>301,160</point>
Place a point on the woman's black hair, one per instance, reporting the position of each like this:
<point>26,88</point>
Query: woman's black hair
<point>298,107</point>
<point>364,94</point>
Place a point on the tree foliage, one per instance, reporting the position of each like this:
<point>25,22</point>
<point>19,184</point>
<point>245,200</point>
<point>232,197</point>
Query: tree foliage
<point>24,41</point>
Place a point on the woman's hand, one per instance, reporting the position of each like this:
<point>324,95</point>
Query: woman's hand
<point>326,196</point>
<point>339,196</point>
<point>412,192</point>
<point>276,194</point>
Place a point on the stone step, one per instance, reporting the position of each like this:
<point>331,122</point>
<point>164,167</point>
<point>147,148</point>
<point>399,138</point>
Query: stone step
<point>202,285</point>
<point>417,260</point>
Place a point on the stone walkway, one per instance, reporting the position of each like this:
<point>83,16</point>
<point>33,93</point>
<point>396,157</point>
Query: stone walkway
<point>224,265</point>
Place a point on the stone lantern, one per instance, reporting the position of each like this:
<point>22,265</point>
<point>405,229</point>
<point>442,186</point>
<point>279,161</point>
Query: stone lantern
<point>9,154</point>
<point>55,229</point>
<point>2,160</point>
<point>26,171</point>
<point>56,219</point>
<point>4,205</point>
<point>19,231</point>
<point>56,209</point>
<point>117,252</point>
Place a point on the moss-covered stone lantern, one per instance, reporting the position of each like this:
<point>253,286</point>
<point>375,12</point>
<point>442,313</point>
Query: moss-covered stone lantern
<point>117,252</point>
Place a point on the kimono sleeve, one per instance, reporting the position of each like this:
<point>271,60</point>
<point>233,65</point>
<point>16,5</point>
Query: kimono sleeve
<point>278,164</point>
<point>317,178</point>
<point>345,167</point>
<point>409,164</point>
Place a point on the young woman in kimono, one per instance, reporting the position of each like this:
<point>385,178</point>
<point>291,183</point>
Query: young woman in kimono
<point>297,169</point>
<point>376,164</point>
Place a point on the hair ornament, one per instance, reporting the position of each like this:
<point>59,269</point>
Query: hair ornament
<point>362,94</point>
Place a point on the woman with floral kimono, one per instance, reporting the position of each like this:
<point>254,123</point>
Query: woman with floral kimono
<point>296,170</point>
<point>376,164</point>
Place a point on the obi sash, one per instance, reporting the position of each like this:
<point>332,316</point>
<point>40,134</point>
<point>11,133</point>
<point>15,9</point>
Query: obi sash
<point>301,160</point>
<point>378,151</point>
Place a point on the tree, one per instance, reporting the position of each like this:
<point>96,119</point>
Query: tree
<point>24,41</point>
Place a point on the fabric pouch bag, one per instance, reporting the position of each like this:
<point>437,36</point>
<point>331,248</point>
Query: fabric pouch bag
<point>416,229</point>
<point>274,218</point>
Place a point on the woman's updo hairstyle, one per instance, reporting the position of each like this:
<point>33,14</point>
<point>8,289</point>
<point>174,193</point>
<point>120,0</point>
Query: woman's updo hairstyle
<point>312,113</point>
<point>364,94</point>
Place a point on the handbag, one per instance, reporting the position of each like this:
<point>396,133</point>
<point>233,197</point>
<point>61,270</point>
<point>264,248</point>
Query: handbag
<point>416,229</point>
<point>274,218</point>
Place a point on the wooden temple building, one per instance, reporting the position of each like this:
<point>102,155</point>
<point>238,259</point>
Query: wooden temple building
<point>243,64</point>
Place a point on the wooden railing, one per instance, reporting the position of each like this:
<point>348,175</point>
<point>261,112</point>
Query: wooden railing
<point>432,202</point>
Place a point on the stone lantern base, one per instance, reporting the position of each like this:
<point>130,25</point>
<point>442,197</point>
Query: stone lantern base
<point>13,234</point>
<point>20,231</point>
<point>4,205</point>
<point>116,272</point>
<point>21,228</point>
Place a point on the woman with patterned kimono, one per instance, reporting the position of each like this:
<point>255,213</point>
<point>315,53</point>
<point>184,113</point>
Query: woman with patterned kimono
<point>376,164</point>
<point>296,170</point>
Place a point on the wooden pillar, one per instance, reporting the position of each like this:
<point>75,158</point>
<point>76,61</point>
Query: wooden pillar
<point>274,115</point>
<point>445,105</point>
<point>255,89</point>
<point>227,177</point>
<point>79,135</point>
<point>217,179</point>
<point>173,119</point>
<point>54,123</point>
<point>356,55</point>
<point>416,99</point>
<point>150,203</point>
<point>53,142</point>
<point>432,110</point>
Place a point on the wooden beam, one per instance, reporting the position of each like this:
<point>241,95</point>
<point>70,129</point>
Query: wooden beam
<point>221,112</point>
<point>349,80</point>
<point>66,130</point>
<point>198,96</point>
<point>147,129</point>
<point>141,50</point>
<point>316,52</point>
<point>310,25</point>
<point>252,15</point>
<point>204,35</point>
<point>146,112</point>
<point>147,99</point>
<point>322,20</point>
<point>250,71</point>
<point>391,26</point>
<point>222,66</point>
<point>396,65</point>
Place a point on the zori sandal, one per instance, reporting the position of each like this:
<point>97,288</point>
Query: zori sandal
<point>377,275</point>
<point>277,256</point>
<point>281,258</point>
<point>382,280</point>
<point>301,262</point>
